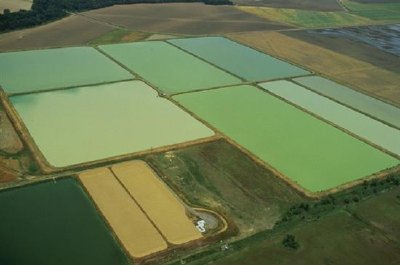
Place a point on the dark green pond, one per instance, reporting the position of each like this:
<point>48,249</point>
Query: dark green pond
<point>55,224</point>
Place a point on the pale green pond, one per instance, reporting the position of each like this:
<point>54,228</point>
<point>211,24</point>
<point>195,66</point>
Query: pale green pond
<point>167,67</point>
<point>310,152</point>
<point>367,128</point>
<point>90,123</point>
<point>30,71</point>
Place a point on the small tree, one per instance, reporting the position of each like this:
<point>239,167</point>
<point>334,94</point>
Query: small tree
<point>290,242</point>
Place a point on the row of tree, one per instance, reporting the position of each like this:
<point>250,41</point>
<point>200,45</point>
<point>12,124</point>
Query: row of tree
<point>43,11</point>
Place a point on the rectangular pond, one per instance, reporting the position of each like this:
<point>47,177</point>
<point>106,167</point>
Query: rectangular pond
<point>311,153</point>
<point>238,59</point>
<point>367,128</point>
<point>366,104</point>
<point>168,68</point>
<point>54,223</point>
<point>85,124</point>
<point>31,71</point>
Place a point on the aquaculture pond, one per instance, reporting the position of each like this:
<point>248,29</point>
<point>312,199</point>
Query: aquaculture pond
<point>168,68</point>
<point>84,124</point>
<point>31,71</point>
<point>312,153</point>
<point>54,223</point>
<point>238,59</point>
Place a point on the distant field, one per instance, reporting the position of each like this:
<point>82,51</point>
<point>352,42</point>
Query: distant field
<point>176,71</point>
<point>321,5</point>
<point>57,224</point>
<point>219,176</point>
<point>306,18</point>
<point>108,120</point>
<point>15,5</point>
<point>70,31</point>
<point>354,73</point>
<point>388,11</point>
<point>118,36</point>
<point>334,239</point>
<point>353,121</point>
<point>286,138</point>
<point>236,58</point>
<point>57,68</point>
<point>352,98</point>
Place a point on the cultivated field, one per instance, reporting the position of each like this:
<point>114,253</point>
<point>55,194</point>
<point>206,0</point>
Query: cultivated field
<point>347,96</point>
<point>157,201</point>
<point>135,231</point>
<point>306,18</point>
<point>176,70</point>
<point>219,176</point>
<point>69,31</point>
<point>321,5</point>
<point>9,140</point>
<point>182,18</point>
<point>15,5</point>
<point>57,224</point>
<point>379,12</point>
<point>236,58</point>
<point>286,138</point>
<point>108,120</point>
<point>346,70</point>
<point>56,68</point>
<point>355,122</point>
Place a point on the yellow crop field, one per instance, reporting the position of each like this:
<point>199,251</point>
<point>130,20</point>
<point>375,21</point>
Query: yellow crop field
<point>130,224</point>
<point>159,203</point>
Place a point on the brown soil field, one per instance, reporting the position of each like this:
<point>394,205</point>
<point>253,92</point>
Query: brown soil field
<point>320,5</point>
<point>181,18</point>
<point>15,5</point>
<point>360,75</point>
<point>157,200</point>
<point>70,31</point>
<point>9,140</point>
<point>351,48</point>
<point>136,233</point>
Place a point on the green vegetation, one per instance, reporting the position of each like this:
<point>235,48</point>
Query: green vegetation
<point>176,70</point>
<point>383,12</point>
<point>54,223</point>
<point>308,151</point>
<point>290,242</point>
<point>31,71</point>
<point>236,58</point>
<point>84,124</point>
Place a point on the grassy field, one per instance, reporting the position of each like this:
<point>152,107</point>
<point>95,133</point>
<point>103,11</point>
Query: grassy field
<point>236,58</point>
<point>108,120</point>
<point>15,5</point>
<point>355,122</point>
<point>306,18</point>
<point>57,68</point>
<point>176,71</point>
<point>321,5</point>
<point>119,36</point>
<point>57,224</point>
<point>354,73</point>
<point>219,176</point>
<point>286,138</point>
<point>374,11</point>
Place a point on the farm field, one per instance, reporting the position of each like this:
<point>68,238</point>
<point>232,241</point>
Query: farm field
<point>218,176</point>
<point>337,238</point>
<point>306,18</point>
<point>322,5</point>
<point>162,207</point>
<point>181,18</point>
<point>354,73</point>
<point>271,137</point>
<point>70,31</point>
<point>130,224</point>
<point>352,98</point>
<point>56,68</point>
<point>176,70</point>
<point>108,120</point>
<point>365,127</point>
<point>15,5</point>
<point>388,11</point>
<point>236,58</point>
<point>57,224</point>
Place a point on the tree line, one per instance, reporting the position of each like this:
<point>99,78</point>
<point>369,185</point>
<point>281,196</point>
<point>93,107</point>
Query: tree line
<point>43,11</point>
